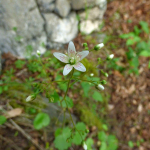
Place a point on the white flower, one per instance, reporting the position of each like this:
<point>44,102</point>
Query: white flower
<point>72,59</point>
<point>84,146</point>
<point>100,87</point>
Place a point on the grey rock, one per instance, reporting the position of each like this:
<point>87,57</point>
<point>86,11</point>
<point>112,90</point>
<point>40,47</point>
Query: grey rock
<point>61,30</point>
<point>25,16</point>
<point>46,6</point>
<point>0,62</point>
<point>92,14</point>
<point>62,7</point>
<point>55,112</point>
<point>89,26</point>
<point>82,4</point>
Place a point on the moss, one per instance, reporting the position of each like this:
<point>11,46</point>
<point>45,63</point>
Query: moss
<point>88,116</point>
<point>90,67</point>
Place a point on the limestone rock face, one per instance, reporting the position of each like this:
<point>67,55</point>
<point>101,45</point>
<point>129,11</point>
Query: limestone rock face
<point>94,13</point>
<point>46,5</point>
<point>61,30</point>
<point>26,33</point>
<point>82,4</point>
<point>62,7</point>
<point>89,26</point>
<point>25,25</point>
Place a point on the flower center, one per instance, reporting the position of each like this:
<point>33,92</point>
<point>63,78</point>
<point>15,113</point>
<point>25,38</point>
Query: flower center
<point>72,61</point>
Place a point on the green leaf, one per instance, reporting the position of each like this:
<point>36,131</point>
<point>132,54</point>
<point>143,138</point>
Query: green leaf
<point>77,137</point>
<point>137,30</point>
<point>130,54</point>
<point>69,102</point>
<point>41,120</point>
<point>55,96</point>
<point>134,62</point>
<point>58,132</point>
<point>145,53</point>
<point>89,142</point>
<point>126,36</point>
<point>102,136</point>
<point>105,127</point>
<point>103,146</point>
<point>97,96</point>
<point>133,40</point>
<point>1,90</point>
<point>144,26</point>
<point>2,119</point>
<point>149,64</point>
<point>63,86</point>
<point>112,142</point>
<point>130,144</point>
<point>61,140</point>
<point>86,87</point>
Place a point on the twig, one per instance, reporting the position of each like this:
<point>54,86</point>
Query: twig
<point>10,142</point>
<point>26,135</point>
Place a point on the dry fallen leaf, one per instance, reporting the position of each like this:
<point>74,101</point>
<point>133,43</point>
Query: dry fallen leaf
<point>13,113</point>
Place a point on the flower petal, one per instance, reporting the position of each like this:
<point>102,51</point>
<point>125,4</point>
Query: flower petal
<point>61,57</point>
<point>82,54</point>
<point>79,66</point>
<point>71,49</point>
<point>67,69</point>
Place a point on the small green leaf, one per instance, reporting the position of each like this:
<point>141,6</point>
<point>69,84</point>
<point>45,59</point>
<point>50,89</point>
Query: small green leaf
<point>145,53</point>
<point>1,90</point>
<point>58,132</point>
<point>61,140</point>
<point>103,146</point>
<point>41,120</point>
<point>105,127</point>
<point>144,26</point>
<point>102,136</point>
<point>130,144</point>
<point>55,96</point>
<point>86,87</point>
<point>2,120</point>
<point>69,102</point>
<point>77,137</point>
<point>97,96</point>
<point>112,142</point>
<point>89,142</point>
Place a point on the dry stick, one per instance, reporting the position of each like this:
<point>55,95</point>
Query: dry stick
<point>26,135</point>
<point>10,142</point>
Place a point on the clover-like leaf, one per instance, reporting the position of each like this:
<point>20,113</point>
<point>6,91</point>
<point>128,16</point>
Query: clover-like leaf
<point>41,120</point>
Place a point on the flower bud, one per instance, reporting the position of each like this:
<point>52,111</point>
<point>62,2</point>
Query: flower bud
<point>98,47</point>
<point>106,74</point>
<point>86,48</point>
<point>86,130</point>
<point>98,59</point>
<point>103,82</point>
<point>38,52</point>
<point>30,98</point>
<point>110,57</point>
<point>85,45</point>
<point>92,74</point>
<point>84,146</point>
<point>100,87</point>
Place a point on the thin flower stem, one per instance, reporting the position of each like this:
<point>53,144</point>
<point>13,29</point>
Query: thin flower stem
<point>93,82</point>
<point>67,104</point>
